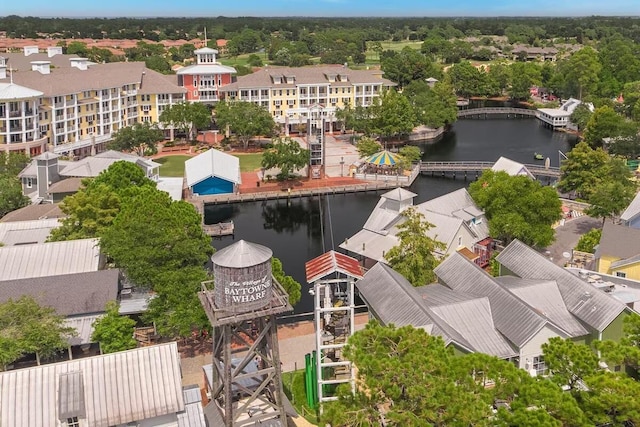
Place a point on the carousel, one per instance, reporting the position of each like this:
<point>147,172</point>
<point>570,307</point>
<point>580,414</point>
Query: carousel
<point>382,163</point>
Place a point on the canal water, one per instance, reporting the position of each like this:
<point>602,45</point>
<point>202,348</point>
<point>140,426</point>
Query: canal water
<point>301,229</point>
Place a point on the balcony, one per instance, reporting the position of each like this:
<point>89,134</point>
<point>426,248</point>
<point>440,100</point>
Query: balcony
<point>208,98</point>
<point>130,92</point>
<point>15,113</point>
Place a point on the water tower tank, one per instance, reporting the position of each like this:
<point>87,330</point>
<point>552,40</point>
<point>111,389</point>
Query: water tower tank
<point>242,277</point>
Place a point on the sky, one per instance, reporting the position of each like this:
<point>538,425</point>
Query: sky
<point>328,8</point>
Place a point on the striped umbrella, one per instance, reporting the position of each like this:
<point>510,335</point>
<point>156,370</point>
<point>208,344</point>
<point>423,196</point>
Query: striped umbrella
<point>383,158</point>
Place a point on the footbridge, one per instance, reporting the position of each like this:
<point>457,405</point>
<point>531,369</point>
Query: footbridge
<point>476,168</point>
<point>488,111</point>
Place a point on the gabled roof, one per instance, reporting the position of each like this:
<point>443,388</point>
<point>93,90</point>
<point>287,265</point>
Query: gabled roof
<point>106,390</point>
<point>332,262</point>
<point>206,69</point>
<point>92,166</point>
<point>512,317</point>
<point>472,319</point>
<point>34,212</point>
<point>370,244</point>
<point>625,262</point>
<point>618,241</point>
<point>544,297</point>
<point>399,195</point>
<point>68,294</point>
<point>212,163</point>
<point>592,306</point>
<point>49,259</point>
<point>392,299</point>
<point>511,167</point>
<point>633,210</point>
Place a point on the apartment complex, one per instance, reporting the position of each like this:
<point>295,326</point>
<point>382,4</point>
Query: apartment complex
<point>74,109</point>
<point>294,95</point>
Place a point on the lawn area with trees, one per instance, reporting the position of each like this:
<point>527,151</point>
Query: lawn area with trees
<point>173,166</point>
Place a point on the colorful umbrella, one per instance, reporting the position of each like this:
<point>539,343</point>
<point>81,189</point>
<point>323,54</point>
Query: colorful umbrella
<point>383,158</point>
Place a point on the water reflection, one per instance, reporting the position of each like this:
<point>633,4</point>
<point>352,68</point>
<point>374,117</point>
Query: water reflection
<point>289,217</point>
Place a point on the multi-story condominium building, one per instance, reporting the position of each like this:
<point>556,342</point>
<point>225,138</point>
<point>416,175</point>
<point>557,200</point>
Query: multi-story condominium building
<point>75,109</point>
<point>294,95</point>
<point>204,79</point>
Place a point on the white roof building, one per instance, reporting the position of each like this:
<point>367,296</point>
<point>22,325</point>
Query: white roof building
<point>212,164</point>
<point>511,167</point>
<point>27,232</point>
<point>141,386</point>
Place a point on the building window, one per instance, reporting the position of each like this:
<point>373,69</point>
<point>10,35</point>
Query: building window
<point>29,182</point>
<point>540,366</point>
<point>621,274</point>
<point>73,422</point>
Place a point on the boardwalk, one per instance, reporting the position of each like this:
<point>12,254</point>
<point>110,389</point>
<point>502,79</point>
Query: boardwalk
<point>508,111</point>
<point>220,229</point>
<point>476,168</point>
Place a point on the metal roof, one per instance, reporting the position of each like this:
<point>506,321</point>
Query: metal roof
<point>212,163</point>
<point>511,167</point>
<point>84,328</point>
<point>241,254</point>
<point>369,244</point>
<point>544,297</point>
<point>10,91</point>
<point>632,210</point>
<point>193,415</point>
<point>92,166</point>
<point>512,317</point>
<point>68,294</point>
<point>119,388</point>
<point>172,186</point>
<point>332,262</point>
<point>399,194</point>
<point>592,306</point>
<point>24,232</point>
<point>391,298</point>
<point>49,259</point>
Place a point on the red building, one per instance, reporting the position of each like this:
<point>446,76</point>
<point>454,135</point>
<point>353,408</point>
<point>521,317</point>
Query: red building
<point>203,79</point>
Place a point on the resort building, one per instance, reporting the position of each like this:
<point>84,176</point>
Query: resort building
<point>203,80</point>
<point>72,106</point>
<point>458,223</point>
<point>295,95</point>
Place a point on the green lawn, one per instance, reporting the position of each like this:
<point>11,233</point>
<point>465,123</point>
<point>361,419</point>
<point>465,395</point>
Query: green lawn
<point>293,385</point>
<point>174,165</point>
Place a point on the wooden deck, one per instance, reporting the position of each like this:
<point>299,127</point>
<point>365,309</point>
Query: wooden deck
<point>508,111</point>
<point>220,229</point>
<point>476,168</point>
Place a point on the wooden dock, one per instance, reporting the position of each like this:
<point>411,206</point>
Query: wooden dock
<point>220,229</point>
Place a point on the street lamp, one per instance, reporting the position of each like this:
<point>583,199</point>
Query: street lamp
<point>341,166</point>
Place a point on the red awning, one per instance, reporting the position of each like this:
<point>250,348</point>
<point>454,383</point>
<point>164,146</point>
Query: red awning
<point>332,262</point>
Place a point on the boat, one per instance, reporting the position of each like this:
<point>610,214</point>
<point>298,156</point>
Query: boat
<point>538,156</point>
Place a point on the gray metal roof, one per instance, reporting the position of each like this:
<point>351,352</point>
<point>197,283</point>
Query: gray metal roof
<point>592,306</point>
<point>71,396</point>
<point>512,317</point>
<point>618,241</point>
<point>391,298</point>
<point>370,244</point>
<point>67,294</point>
<point>241,254</point>
<point>632,210</point>
<point>84,328</point>
<point>193,415</point>
<point>399,194</point>
<point>26,232</point>
<point>119,388</point>
<point>49,259</point>
<point>544,297</point>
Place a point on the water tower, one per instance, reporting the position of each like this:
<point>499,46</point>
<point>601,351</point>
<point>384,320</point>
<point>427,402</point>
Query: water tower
<point>245,378</point>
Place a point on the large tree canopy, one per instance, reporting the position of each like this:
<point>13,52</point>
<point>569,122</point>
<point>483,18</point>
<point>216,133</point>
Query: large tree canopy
<point>141,138</point>
<point>113,331</point>
<point>286,155</point>
<point>244,119</point>
<point>11,197</point>
<point>187,117</point>
<point>517,207</point>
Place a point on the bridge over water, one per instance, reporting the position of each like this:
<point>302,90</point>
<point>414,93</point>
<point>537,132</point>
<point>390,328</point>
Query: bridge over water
<point>475,168</point>
<point>488,111</point>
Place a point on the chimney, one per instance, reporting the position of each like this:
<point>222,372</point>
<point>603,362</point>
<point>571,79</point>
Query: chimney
<point>79,63</point>
<point>43,67</point>
<point>47,172</point>
<point>142,78</point>
<point>3,72</point>
<point>29,50</point>
<point>54,50</point>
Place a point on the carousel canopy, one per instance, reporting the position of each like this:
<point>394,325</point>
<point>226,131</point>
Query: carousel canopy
<point>383,158</point>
